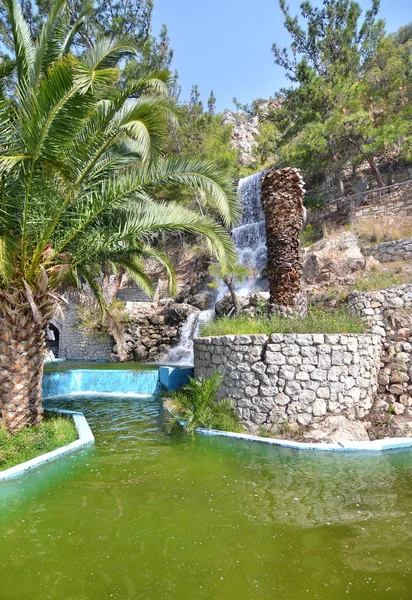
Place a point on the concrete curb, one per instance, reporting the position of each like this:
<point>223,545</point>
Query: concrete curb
<point>86,438</point>
<point>344,446</point>
<point>371,446</point>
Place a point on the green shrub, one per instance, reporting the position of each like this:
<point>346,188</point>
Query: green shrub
<point>316,321</point>
<point>309,235</point>
<point>197,404</point>
<point>30,442</point>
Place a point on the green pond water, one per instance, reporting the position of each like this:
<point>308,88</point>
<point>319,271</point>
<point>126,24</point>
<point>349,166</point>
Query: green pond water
<point>147,515</point>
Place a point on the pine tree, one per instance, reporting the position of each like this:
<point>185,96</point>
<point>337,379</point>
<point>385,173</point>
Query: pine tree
<point>211,103</point>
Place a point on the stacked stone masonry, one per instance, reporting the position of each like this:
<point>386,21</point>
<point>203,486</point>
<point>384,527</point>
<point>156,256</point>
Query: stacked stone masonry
<point>389,314</point>
<point>390,251</point>
<point>76,343</point>
<point>287,378</point>
<point>393,199</point>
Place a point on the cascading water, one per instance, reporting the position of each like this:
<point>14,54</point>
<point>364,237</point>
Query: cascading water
<point>182,354</point>
<point>250,243</point>
<point>250,237</point>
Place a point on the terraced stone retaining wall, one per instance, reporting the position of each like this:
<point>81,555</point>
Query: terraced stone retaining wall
<point>285,378</point>
<point>389,314</point>
<point>390,251</point>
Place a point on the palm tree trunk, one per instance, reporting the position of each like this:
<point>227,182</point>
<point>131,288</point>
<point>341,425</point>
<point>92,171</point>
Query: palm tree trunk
<point>24,316</point>
<point>22,353</point>
<point>282,199</point>
<point>117,284</point>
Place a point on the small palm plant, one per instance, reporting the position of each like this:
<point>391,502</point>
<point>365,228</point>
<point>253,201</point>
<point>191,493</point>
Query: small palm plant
<point>197,405</point>
<point>81,167</point>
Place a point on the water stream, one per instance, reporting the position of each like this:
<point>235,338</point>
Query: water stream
<point>250,237</point>
<point>182,354</point>
<point>144,514</point>
<point>250,244</point>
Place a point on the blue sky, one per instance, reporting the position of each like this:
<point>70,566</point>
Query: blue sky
<point>225,45</point>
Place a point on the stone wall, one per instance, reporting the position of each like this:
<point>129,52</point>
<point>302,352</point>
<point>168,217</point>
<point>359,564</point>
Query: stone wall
<point>389,313</point>
<point>75,343</point>
<point>152,329</point>
<point>281,378</point>
<point>390,251</point>
<point>394,199</point>
<point>391,199</point>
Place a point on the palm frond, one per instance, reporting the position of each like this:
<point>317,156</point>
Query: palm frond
<point>47,48</point>
<point>23,44</point>
<point>203,176</point>
<point>98,67</point>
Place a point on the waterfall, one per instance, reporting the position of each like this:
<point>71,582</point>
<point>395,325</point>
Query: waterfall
<point>250,237</point>
<point>250,244</point>
<point>182,354</point>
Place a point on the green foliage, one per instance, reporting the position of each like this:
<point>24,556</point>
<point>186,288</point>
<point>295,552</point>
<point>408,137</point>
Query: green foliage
<point>316,321</point>
<point>331,40</point>
<point>99,19</point>
<point>265,153</point>
<point>309,235</point>
<point>262,308</point>
<point>197,404</point>
<point>95,322</point>
<point>201,134</point>
<point>315,200</point>
<point>30,442</point>
<point>83,166</point>
<point>351,98</point>
<point>236,274</point>
<point>91,321</point>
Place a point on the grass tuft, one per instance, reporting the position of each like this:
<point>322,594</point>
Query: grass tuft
<point>380,281</point>
<point>316,321</point>
<point>385,228</point>
<point>52,433</point>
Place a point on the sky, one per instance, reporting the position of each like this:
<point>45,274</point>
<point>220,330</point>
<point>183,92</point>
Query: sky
<point>225,45</point>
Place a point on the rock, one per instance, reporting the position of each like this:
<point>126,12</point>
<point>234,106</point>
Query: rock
<point>257,298</point>
<point>396,389</point>
<point>200,301</point>
<point>244,133</point>
<point>180,312</point>
<point>336,429</point>
<point>249,304</point>
<point>224,306</point>
<point>139,353</point>
<point>398,408</point>
<point>332,258</point>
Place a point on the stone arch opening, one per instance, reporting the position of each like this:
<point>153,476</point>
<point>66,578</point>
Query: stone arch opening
<point>53,339</point>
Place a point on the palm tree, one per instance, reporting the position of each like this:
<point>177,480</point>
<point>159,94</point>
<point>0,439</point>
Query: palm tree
<point>282,199</point>
<point>80,165</point>
<point>197,404</point>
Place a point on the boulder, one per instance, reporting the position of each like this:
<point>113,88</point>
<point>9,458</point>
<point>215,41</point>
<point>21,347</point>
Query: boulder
<point>224,306</point>
<point>332,258</point>
<point>337,428</point>
<point>249,303</point>
<point>201,301</point>
<point>180,312</point>
<point>139,353</point>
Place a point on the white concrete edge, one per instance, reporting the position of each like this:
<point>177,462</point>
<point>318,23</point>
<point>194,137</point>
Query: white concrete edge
<point>86,438</point>
<point>100,394</point>
<point>345,446</point>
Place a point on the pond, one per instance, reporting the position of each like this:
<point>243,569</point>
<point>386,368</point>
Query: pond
<point>148,515</point>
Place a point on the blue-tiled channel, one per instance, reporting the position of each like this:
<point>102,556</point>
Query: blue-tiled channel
<point>62,383</point>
